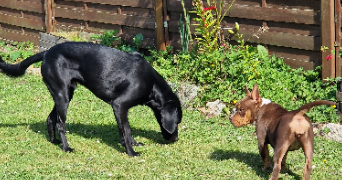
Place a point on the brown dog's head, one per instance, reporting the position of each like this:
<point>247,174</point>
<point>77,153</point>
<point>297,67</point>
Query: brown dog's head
<point>245,110</point>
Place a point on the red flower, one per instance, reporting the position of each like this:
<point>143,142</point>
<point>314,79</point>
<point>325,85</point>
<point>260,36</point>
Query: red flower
<point>233,92</point>
<point>329,57</point>
<point>209,8</point>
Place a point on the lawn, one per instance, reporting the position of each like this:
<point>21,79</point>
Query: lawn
<point>207,148</point>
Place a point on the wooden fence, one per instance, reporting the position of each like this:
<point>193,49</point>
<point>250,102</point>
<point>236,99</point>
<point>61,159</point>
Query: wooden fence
<point>296,29</point>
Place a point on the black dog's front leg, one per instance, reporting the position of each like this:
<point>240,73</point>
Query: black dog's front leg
<point>124,128</point>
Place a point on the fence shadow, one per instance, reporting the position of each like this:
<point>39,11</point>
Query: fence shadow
<point>253,160</point>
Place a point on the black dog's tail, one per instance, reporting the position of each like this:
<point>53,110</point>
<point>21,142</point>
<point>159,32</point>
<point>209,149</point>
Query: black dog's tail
<point>308,106</point>
<point>19,69</point>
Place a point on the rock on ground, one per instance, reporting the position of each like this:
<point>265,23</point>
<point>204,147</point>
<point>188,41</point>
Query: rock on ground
<point>329,131</point>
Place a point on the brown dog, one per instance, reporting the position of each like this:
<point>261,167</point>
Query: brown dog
<point>284,130</point>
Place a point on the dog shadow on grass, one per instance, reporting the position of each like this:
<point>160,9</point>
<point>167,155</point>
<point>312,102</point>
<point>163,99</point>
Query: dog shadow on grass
<point>108,134</point>
<point>253,160</point>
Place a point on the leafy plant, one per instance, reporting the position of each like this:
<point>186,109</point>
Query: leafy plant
<point>209,24</point>
<point>16,52</point>
<point>106,38</point>
<point>137,39</point>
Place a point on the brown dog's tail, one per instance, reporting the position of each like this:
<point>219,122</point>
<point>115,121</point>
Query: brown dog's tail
<point>19,69</point>
<point>308,106</point>
<point>298,124</point>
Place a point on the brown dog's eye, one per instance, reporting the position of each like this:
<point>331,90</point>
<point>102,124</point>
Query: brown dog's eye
<point>242,111</point>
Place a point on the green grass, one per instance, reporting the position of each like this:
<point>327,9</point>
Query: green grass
<point>207,149</point>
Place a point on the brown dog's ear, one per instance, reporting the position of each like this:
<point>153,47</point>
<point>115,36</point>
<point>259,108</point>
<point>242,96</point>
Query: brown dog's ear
<point>256,94</point>
<point>248,93</point>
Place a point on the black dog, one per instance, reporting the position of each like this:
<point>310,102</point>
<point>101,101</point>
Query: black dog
<point>121,79</point>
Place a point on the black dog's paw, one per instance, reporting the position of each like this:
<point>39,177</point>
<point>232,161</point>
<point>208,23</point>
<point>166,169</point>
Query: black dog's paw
<point>68,149</point>
<point>138,144</point>
<point>134,143</point>
<point>56,141</point>
<point>132,154</point>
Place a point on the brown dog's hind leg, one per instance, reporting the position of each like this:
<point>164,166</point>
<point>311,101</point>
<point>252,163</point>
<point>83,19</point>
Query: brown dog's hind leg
<point>279,153</point>
<point>283,162</point>
<point>308,148</point>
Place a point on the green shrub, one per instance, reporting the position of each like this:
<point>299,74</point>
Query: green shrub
<point>16,52</point>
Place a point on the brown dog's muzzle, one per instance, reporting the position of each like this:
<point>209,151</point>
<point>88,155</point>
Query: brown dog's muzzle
<point>238,120</point>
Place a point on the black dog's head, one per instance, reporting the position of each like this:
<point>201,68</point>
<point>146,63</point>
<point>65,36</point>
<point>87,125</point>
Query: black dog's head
<point>170,117</point>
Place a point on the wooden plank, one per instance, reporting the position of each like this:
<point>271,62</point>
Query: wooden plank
<point>278,15</point>
<point>22,22</point>
<point>134,21</point>
<point>16,36</point>
<point>302,4</point>
<point>132,3</point>
<point>23,5</point>
<point>283,39</point>
<point>328,37</point>
<point>296,63</point>
<point>160,39</point>
<point>296,58</point>
<point>264,14</point>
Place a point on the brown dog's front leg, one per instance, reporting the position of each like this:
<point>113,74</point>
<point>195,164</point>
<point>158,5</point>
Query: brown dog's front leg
<point>265,156</point>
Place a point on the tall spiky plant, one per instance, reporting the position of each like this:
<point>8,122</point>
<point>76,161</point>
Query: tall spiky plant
<point>184,30</point>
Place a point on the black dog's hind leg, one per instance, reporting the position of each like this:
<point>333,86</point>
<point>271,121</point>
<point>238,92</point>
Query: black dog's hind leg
<point>62,94</point>
<point>52,119</point>
<point>121,112</point>
<point>51,126</point>
<point>62,103</point>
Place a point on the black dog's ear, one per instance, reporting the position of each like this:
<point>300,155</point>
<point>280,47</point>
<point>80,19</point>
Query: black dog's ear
<point>169,117</point>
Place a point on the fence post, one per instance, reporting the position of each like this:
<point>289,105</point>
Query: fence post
<point>328,37</point>
<point>338,37</point>
<point>48,15</point>
<point>160,38</point>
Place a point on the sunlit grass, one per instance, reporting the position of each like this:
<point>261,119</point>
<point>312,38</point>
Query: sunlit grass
<point>207,148</point>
